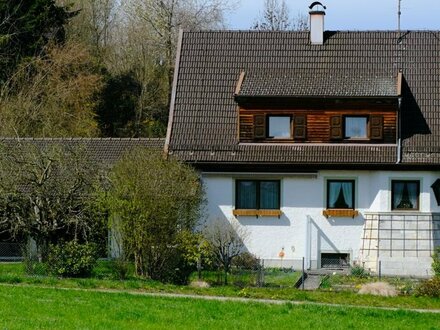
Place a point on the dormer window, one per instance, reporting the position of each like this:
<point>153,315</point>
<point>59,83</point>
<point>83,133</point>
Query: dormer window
<point>279,127</point>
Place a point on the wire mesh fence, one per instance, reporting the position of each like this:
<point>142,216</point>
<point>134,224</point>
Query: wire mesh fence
<point>10,251</point>
<point>257,276</point>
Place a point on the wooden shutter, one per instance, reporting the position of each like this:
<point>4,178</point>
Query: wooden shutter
<point>299,127</point>
<point>336,127</point>
<point>259,126</point>
<point>376,127</point>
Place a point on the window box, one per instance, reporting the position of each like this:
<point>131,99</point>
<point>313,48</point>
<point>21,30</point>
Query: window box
<point>257,213</point>
<point>257,197</point>
<point>341,213</point>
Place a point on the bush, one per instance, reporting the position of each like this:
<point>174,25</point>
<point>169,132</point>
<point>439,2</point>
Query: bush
<point>429,288</point>
<point>436,261</point>
<point>246,260</point>
<point>359,272</point>
<point>121,268</point>
<point>71,259</point>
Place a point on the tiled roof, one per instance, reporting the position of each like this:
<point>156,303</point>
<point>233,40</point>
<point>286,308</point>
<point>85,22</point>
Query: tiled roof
<point>105,150</point>
<point>297,153</point>
<point>318,83</point>
<point>205,112</point>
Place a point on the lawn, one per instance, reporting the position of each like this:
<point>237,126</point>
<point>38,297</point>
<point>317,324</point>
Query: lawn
<point>104,279</point>
<point>48,308</point>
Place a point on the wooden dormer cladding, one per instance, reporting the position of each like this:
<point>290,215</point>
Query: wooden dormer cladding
<point>321,124</point>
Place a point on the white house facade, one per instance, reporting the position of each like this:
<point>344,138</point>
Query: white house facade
<point>302,230</point>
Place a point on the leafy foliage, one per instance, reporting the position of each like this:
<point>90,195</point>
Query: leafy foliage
<point>246,260</point>
<point>152,201</point>
<point>117,109</point>
<point>436,261</point>
<point>52,95</point>
<point>359,271</point>
<point>71,259</point>
<point>429,288</point>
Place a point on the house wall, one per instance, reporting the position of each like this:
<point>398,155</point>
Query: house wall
<point>302,230</point>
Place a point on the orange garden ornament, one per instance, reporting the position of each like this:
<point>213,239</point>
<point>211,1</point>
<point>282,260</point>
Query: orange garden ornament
<point>281,255</point>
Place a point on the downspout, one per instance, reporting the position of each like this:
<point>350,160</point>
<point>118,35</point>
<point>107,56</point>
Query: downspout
<point>399,131</point>
<point>308,247</point>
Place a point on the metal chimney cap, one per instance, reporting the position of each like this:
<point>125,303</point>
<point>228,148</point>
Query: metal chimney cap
<point>317,3</point>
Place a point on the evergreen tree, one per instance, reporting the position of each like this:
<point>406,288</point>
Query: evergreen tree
<point>26,26</point>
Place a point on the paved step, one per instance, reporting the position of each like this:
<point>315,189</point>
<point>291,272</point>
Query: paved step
<point>312,282</point>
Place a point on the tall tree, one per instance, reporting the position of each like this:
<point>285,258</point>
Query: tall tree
<point>26,26</point>
<point>276,17</point>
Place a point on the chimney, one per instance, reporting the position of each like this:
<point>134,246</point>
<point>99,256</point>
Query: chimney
<point>317,23</point>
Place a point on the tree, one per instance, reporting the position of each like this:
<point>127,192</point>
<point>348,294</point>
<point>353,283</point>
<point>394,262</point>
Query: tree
<point>95,26</point>
<point>152,201</point>
<point>26,27</point>
<point>227,241</point>
<point>276,17</point>
<point>148,43</point>
<point>52,95</point>
<point>46,193</point>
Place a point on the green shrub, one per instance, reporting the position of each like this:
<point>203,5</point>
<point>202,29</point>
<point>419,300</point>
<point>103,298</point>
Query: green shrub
<point>121,268</point>
<point>246,260</point>
<point>359,271</point>
<point>429,288</point>
<point>436,261</point>
<point>71,259</point>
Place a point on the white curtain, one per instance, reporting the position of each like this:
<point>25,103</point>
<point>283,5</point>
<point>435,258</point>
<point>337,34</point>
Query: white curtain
<point>334,189</point>
<point>412,192</point>
<point>348,193</point>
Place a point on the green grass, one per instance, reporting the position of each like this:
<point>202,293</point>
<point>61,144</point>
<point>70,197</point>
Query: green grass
<point>13,274</point>
<point>39,308</point>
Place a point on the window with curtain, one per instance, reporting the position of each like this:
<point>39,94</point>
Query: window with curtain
<point>257,194</point>
<point>340,194</point>
<point>405,194</point>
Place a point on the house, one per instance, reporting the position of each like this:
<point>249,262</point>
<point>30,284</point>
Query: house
<point>324,145</point>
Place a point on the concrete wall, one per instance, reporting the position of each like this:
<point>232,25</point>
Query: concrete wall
<point>302,230</point>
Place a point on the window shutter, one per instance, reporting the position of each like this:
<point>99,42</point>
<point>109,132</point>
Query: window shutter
<point>336,127</point>
<point>376,127</point>
<point>299,127</point>
<point>259,126</point>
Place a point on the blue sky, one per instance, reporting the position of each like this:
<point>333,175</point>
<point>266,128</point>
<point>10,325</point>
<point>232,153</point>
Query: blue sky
<point>351,14</point>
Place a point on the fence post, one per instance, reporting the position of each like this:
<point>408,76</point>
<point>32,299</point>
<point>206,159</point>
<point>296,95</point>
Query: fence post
<point>380,270</point>
<point>302,275</point>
